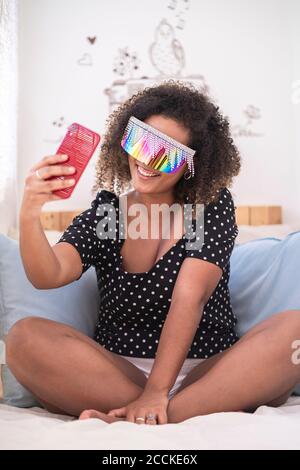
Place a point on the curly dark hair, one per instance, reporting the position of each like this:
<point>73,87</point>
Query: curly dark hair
<point>216,160</point>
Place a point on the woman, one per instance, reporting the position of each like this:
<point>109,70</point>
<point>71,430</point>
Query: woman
<point>165,348</point>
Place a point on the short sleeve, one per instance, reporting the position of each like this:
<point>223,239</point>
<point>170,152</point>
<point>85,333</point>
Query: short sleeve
<point>83,232</point>
<point>220,231</point>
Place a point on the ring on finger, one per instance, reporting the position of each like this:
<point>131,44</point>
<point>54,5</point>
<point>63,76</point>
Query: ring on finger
<point>140,419</point>
<point>151,422</point>
<point>38,175</point>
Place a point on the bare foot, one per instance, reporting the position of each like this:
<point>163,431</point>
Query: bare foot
<point>86,414</point>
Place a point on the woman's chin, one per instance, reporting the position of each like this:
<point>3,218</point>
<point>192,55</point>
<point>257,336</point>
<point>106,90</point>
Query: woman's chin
<point>143,186</point>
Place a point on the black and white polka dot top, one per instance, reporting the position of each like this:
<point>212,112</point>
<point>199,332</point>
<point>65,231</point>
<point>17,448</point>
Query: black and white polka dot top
<point>134,306</point>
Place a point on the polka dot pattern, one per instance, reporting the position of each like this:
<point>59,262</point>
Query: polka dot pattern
<point>134,306</point>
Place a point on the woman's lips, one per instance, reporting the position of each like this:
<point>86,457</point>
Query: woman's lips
<point>146,174</point>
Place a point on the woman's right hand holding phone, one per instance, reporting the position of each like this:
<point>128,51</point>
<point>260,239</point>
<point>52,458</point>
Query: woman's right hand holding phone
<point>38,188</point>
<point>45,266</point>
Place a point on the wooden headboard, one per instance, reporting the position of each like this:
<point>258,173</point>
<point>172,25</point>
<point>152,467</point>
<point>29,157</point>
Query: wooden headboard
<point>245,215</point>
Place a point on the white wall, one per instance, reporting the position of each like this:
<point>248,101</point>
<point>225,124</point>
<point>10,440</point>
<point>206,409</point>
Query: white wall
<point>246,50</point>
<point>295,48</point>
<point>8,113</point>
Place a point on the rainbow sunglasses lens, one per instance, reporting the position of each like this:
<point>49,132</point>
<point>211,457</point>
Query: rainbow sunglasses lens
<point>157,150</point>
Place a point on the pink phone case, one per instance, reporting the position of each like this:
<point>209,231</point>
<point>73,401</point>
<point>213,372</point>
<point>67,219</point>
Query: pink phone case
<point>79,144</point>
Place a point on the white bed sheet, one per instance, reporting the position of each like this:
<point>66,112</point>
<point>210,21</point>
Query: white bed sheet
<point>267,428</point>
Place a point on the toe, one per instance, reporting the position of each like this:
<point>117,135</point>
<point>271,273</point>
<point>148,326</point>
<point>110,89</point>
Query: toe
<point>86,414</point>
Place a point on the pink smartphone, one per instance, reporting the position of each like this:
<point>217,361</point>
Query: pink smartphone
<point>79,144</point>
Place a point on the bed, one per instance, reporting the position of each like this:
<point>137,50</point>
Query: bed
<point>267,428</point>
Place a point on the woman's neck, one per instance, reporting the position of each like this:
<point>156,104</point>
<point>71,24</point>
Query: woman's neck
<point>152,198</point>
<point>147,199</point>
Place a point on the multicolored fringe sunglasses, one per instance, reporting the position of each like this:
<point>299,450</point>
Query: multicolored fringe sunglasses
<point>155,149</point>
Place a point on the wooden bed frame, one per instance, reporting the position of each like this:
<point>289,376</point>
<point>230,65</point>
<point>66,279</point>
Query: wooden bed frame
<point>245,215</point>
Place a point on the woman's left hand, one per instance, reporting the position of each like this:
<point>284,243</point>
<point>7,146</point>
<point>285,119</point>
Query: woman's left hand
<point>149,402</point>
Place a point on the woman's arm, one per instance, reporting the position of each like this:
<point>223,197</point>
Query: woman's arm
<point>198,277</point>
<point>45,267</point>
<point>196,282</point>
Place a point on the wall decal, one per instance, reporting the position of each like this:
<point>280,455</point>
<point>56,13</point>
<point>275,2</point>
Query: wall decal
<point>91,39</point>
<point>166,52</point>
<point>59,122</point>
<point>121,90</point>
<point>167,56</point>
<point>180,22</point>
<point>172,5</point>
<point>179,7</point>
<point>126,63</point>
<point>86,59</point>
<point>117,94</point>
<point>252,114</point>
<point>57,131</point>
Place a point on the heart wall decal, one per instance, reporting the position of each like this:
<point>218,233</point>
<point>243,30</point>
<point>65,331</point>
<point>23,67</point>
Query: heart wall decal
<point>86,59</point>
<point>91,39</point>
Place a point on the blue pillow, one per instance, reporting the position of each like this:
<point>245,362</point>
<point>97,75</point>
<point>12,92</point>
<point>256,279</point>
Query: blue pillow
<point>264,279</point>
<point>75,304</point>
